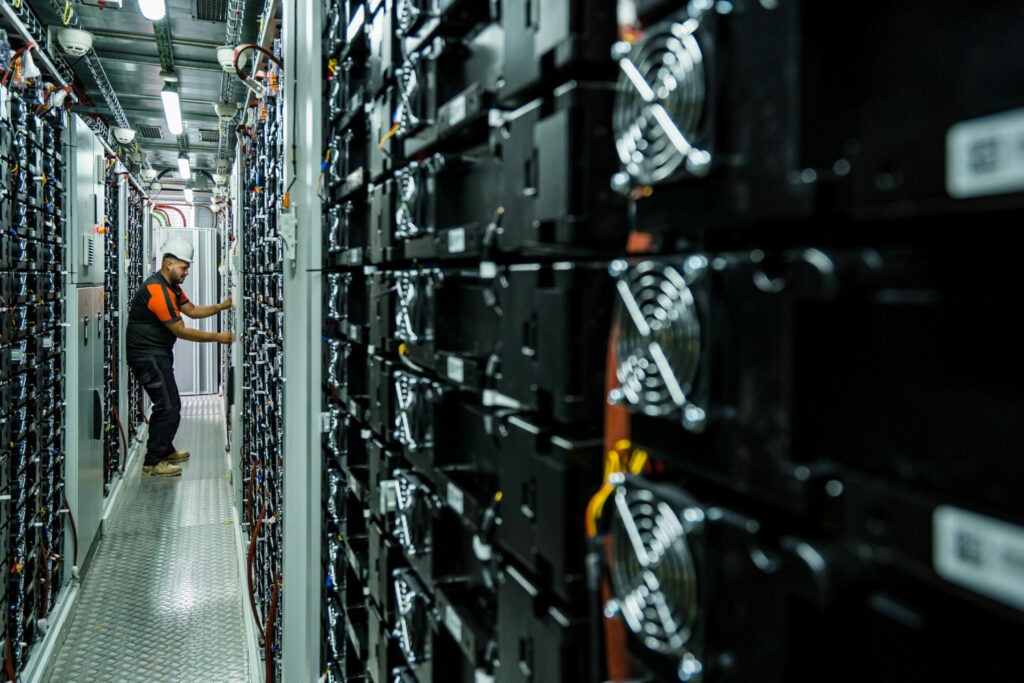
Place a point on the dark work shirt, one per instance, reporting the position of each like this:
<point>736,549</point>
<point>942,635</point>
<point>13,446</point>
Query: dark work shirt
<point>156,305</point>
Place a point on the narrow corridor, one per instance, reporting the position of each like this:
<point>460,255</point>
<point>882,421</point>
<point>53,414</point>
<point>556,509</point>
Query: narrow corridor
<point>162,600</point>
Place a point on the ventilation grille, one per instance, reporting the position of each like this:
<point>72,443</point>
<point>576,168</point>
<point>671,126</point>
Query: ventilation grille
<point>208,135</point>
<point>210,10</point>
<point>653,571</point>
<point>660,104</point>
<point>151,132</point>
<point>659,343</point>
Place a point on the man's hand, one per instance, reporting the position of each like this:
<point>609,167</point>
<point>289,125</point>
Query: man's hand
<point>225,337</point>
<point>225,305</point>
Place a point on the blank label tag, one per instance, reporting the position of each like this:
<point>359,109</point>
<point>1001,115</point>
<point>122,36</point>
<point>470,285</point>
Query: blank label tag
<point>453,622</point>
<point>455,498</point>
<point>985,156</point>
<point>456,110</point>
<point>980,553</point>
<point>456,241</point>
<point>456,369</point>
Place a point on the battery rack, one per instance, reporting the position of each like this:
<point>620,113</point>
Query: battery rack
<point>465,280</point>
<point>32,356</point>
<point>113,430</point>
<point>262,409</point>
<point>781,451</point>
<point>135,260</point>
<point>229,250</point>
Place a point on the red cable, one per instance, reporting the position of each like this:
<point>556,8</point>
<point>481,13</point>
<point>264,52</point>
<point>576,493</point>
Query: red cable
<point>17,53</point>
<point>248,572</point>
<point>124,441</point>
<point>10,663</point>
<point>252,46</point>
<point>173,208</point>
<point>268,647</point>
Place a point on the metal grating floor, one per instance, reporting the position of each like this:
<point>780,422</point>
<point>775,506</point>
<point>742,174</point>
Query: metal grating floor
<point>162,600</point>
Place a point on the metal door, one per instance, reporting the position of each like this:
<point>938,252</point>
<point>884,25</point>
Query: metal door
<point>196,364</point>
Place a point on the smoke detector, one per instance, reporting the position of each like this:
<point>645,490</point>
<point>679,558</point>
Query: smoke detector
<point>148,174</point>
<point>226,57</point>
<point>123,135</point>
<point>220,178</point>
<point>75,42</point>
<point>155,186</point>
<point>226,110</point>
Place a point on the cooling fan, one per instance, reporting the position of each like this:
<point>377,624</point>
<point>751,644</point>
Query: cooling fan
<point>413,421</point>
<point>654,571</point>
<point>659,343</point>
<point>412,627</point>
<point>405,216</point>
<point>661,102</point>
<point>413,502</point>
<point>407,13</point>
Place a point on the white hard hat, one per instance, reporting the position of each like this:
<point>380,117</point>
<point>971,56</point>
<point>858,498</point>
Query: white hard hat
<point>178,248</point>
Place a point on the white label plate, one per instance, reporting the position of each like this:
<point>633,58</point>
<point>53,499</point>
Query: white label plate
<point>456,240</point>
<point>457,110</point>
<point>453,622</point>
<point>455,498</point>
<point>456,369</point>
<point>985,156</point>
<point>983,554</point>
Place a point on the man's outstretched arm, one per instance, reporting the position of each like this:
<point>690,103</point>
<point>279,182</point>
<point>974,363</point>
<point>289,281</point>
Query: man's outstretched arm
<point>196,312</point>
<point>179,330</point>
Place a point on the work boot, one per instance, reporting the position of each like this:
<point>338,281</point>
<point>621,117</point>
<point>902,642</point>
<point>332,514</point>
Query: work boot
<point>178,456</point>
<point>161,469</point>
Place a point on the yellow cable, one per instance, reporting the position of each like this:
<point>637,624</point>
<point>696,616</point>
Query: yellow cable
<point>391,134</point>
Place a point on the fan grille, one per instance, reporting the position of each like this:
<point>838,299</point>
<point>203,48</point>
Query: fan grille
<point>660,104</point>
<point>411,629</point>
<point>659,338</point>
<point>407,12</point>
<point>652,569</point>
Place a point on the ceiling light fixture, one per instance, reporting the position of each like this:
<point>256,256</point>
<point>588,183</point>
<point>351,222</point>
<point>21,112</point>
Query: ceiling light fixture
<point>154,10</point>
<point>172,109</point>
<point>184,168</point>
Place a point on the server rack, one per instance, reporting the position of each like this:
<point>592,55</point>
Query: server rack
<point>465,276</point>
<point>135,259</point>
<point>115,443</point>
<point>262,409</point>
<point>32,350</point>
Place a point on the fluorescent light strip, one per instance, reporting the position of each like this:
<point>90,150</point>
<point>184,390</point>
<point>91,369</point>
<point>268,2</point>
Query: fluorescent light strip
<point>184,169</point>
<point>172,110</point>
<point>189,196</point>
<point>154,10</point>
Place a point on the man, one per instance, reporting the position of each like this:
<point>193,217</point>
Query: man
<point>154,324</point>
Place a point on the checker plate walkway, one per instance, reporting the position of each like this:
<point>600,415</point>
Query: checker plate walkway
<point>162,600</point>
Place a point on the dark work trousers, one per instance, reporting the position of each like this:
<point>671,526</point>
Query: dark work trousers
<point>156,375</point>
